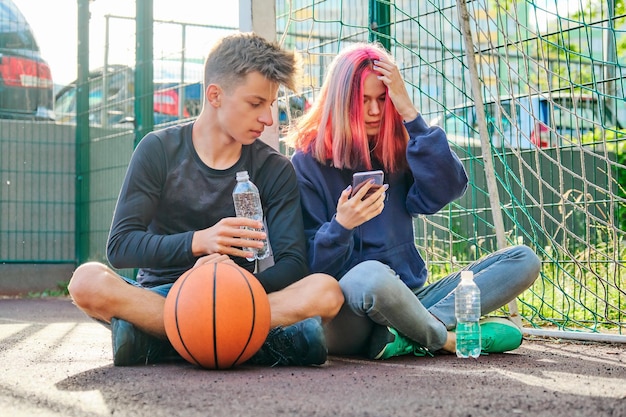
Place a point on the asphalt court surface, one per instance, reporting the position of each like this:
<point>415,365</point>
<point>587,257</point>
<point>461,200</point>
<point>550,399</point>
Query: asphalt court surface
<point>57,362</point>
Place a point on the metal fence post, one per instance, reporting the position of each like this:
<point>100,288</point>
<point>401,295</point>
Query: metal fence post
<point>144,87</point>
<point>379,20</point>
<point>481,118</point>
<point>81,242</point>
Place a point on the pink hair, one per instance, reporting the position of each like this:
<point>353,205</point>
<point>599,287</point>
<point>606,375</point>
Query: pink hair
<point>333,129</point>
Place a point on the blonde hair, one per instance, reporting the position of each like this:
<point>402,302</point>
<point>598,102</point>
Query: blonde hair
<point>235,56</point>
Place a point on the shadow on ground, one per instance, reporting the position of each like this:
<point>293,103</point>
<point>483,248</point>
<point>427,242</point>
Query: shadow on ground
<point>57,362</point>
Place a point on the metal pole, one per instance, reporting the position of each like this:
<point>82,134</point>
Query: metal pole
<point>492,184</point>
<point>144,85</point>
<point>104,111</point>
<point>610,61</point>
<point>379,20</point>
<point>259,16</point>
<point>569,335</point>
<point>182,85</point>
<point>82,220</point>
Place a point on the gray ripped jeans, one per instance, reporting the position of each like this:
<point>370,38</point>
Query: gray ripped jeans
<point>375,295</point>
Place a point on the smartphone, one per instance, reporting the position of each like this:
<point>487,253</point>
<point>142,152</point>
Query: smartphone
<point>360,178</point>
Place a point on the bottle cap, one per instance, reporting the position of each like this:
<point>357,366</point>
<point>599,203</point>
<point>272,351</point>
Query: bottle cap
<point>242,175</point>
<point>467,275</point>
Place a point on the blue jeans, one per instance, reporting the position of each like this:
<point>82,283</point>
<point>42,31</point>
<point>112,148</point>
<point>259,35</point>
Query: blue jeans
<point>162,289</point>
<point>375,295</point>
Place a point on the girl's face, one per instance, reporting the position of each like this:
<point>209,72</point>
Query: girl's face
<point>374,93</point>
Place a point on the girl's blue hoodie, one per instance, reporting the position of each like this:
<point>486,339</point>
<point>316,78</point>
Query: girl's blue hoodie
<point>435,178</point>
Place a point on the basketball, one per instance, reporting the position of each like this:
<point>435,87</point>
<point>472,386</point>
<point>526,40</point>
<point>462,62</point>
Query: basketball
<point>217,315</point>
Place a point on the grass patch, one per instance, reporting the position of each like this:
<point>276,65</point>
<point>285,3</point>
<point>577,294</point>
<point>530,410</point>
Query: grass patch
<point>59,291</point>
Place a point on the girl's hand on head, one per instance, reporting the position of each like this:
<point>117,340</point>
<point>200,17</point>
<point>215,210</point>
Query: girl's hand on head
<point>390,75</point>
<point>354,211</point>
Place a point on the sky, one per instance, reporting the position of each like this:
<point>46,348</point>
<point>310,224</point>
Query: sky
<point>54,23</point>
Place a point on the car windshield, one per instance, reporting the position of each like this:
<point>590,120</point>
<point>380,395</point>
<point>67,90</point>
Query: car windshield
<point>111,94</point>
<point>15,32</point>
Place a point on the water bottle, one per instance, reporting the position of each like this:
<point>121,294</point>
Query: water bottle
<point>467,312</point>
<point>248,204</point>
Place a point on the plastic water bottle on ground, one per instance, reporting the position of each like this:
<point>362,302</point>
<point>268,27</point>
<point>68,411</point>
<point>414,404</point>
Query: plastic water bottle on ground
<point>467,312</point>
<point>248,204</point>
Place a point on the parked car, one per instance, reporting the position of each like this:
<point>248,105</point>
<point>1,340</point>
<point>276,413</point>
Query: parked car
<point>298,104</point>
<point>544,121</point>
<point>113,105</point>
<point>111,94</point>
<point>26,88</point>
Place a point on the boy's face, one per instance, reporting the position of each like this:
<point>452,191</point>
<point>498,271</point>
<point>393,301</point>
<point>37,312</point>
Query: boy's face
<point>246,110</point>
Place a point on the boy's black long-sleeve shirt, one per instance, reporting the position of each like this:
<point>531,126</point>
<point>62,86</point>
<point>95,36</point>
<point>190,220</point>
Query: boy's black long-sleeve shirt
<point>169,193</point>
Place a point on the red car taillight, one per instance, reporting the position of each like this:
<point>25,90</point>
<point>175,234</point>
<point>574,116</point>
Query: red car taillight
<point>22,72</point>
<point>540,136</point>
<point>166,102</point>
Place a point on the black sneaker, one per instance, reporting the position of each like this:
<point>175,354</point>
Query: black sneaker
<point>134,347</point>
<point>302,343</point>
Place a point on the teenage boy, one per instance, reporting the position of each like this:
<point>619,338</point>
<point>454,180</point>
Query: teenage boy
<point>175,210</point>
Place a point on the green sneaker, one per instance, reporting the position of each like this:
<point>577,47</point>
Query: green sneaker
<point>386,343</point>
<point>499,335</point>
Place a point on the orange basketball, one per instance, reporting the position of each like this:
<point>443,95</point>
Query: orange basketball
<point>217,315</point>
